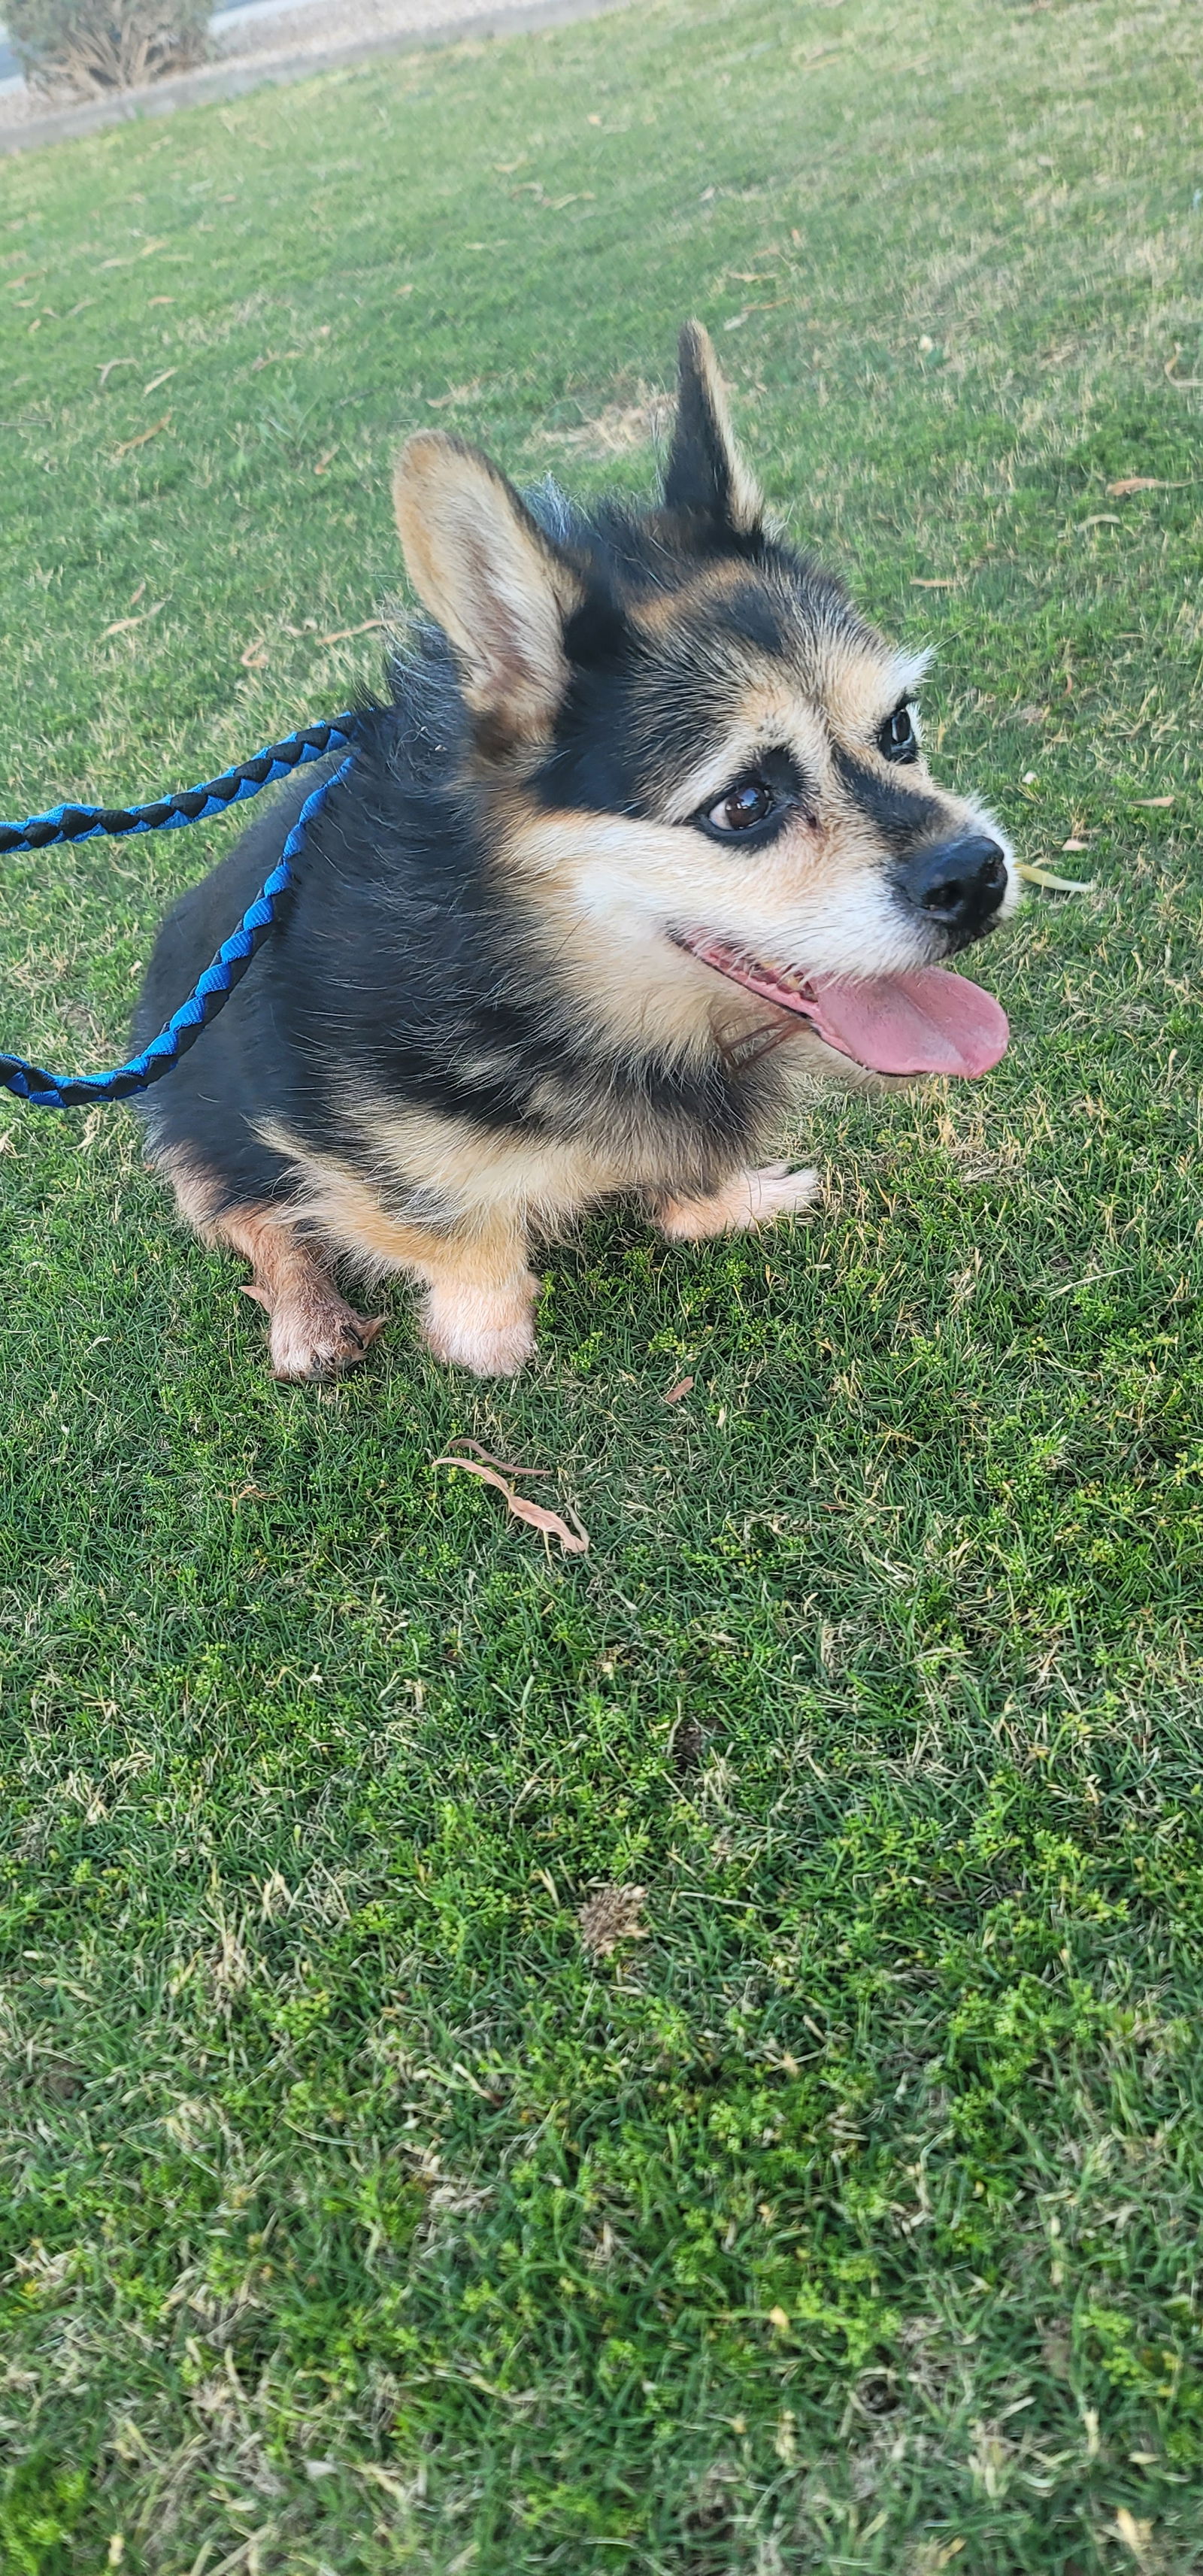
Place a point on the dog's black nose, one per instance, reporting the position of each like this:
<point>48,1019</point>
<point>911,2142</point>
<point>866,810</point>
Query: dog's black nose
<point>958,884</point>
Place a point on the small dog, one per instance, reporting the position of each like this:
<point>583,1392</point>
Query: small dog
<point>643,827</point>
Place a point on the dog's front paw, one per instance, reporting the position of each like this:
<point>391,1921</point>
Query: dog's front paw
<point>776,1191</point>
<point>746,1201</point>
<point>490,1331</point>
<point>315,1336</point>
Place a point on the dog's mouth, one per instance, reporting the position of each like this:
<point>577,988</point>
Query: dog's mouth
<point>925,1021</point>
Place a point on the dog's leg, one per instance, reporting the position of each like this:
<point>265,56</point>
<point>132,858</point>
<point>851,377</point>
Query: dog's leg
<point>478,1310</point>
<point>744,1203</point>
<point>479,1307</point>
<point>313,1331</point>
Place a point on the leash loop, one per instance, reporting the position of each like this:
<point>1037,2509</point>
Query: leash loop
<point>40,1089</point>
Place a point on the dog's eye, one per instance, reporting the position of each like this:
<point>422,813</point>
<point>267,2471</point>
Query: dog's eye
<point>749,802</point>
<point>898,739</point>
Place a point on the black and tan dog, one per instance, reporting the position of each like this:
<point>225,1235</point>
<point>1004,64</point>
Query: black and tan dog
<point>646,802</point>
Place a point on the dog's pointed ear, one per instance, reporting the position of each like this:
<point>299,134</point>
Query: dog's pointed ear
<point>498,587</point>
<point>706,473</point>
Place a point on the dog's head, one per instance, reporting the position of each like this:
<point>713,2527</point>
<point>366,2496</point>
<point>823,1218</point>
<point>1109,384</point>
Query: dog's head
<point>703,763</point>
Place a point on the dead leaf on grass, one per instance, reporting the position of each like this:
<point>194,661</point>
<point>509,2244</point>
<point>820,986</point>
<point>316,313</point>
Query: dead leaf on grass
<point>496,1472</point>
<point>1153,800</point>
<point>610,1917</point>
<point>1140,483</point>
<point>552,205</point>
<point>1136,2536</point>
<point>938,581</point>
<point>341,633</point>
<point>122,625</point>
<point>143,435</point>
<point>156,381</point>
<point>254,658</point>
<point>684,1386</point>
<point>504,1466</point>
<point>106,370</point>
<point>325,460</point>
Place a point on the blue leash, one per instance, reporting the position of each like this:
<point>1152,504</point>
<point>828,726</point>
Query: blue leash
<point>31,1082</point>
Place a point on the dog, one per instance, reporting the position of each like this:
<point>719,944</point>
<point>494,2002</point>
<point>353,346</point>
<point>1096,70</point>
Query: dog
<point>642,829</point>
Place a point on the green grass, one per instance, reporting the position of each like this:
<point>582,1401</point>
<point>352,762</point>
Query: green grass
<point>355,2218</point>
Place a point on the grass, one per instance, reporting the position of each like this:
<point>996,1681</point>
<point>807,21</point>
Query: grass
<point>357,2217</point>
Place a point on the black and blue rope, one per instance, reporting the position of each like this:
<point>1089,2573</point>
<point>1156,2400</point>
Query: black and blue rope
<point>42,1090</point>
<point>187,804</point>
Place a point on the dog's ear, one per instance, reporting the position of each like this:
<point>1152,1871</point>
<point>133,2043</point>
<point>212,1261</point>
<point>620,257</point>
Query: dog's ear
<point>500,590</point>
<point>706,473</point>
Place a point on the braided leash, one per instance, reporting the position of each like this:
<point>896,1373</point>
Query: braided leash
<point>42,1090</point>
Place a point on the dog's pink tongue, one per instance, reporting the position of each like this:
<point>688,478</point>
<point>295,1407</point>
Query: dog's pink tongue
<point>926,1022</point>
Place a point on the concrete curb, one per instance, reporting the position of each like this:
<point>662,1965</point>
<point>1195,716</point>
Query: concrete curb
<point>233,79</point>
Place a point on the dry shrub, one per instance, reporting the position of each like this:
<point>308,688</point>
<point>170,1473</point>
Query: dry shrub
<point>90,47</point>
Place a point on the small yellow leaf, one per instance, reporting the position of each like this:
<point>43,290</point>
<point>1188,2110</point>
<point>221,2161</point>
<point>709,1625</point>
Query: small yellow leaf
<point>778,2318</point>
<point>1057,885</point>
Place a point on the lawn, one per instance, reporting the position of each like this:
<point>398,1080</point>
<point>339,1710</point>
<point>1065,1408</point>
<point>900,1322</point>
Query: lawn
<point>358,2215</point>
